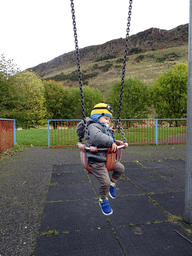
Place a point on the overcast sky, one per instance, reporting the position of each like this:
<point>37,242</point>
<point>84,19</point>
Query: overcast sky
<point>36,31</point>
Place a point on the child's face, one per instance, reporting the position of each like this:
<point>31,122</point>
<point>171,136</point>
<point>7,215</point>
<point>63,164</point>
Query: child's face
<point>105,119</point>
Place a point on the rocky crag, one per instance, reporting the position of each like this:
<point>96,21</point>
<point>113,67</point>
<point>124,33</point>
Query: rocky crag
<point>151,39</point>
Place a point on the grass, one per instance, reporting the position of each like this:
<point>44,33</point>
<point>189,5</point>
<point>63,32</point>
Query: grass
<point>60,137</point>
<point>11,151</point>
<point>32,137</point>
<point>50,232</point>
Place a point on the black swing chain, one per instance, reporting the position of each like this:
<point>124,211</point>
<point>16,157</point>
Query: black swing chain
<point>78,67</point>
<point>118,122</point>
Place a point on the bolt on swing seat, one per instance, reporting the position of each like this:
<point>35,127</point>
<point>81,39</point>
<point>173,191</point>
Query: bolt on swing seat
<point>112,157</point>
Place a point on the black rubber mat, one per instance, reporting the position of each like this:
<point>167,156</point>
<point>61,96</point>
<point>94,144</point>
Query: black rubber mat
<point>170,172</point>
<point>90,243</point>
<point>78,191</point>
<point>67,168</point>
<point>180,181</point>
<point>139,172</point>
<point>156,185</point>
<point>156,164</point>
<point>155,240</point>
<point>136,210</point>
<point>176,162</point>
<point>137,227</point>
<point>171,202</point>
<point>69,177</point>
<point>132,165</point>
<point>73,215</point>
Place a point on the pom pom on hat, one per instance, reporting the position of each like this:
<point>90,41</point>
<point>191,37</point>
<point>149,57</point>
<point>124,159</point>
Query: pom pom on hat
<point>101,109</point>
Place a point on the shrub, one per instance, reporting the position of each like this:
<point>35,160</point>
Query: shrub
<point>73,76</point>
<point>170,56</point>
<point>140,58</point>
<point>106,57</point>
<point>120,60</point>
<point>135,50</point>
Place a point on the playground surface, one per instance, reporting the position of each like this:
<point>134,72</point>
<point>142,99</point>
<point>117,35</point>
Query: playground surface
<point>50,205</point>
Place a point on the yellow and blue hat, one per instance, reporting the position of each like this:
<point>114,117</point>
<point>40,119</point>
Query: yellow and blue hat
<point>101,109</point>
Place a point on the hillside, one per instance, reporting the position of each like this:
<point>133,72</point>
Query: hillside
<point>151,52</point>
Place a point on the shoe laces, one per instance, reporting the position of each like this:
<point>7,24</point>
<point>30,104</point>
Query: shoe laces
<point>105,201</point>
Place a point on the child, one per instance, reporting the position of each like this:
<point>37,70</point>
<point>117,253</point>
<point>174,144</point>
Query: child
<point>101,136</point>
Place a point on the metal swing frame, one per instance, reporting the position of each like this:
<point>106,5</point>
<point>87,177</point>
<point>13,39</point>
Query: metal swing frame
<point>111,156</point>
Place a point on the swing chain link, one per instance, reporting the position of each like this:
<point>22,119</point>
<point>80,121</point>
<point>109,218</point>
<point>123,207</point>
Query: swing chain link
<point>79,68</point>
<point>118,122</point>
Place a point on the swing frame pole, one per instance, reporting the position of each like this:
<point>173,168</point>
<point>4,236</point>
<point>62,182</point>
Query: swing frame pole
<point>188,182</point>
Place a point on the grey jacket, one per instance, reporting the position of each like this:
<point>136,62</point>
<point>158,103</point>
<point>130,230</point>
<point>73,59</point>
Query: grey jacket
<point>97,137</point>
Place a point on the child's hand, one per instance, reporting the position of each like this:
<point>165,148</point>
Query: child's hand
<point>114,147</point>
<point>111,128</point>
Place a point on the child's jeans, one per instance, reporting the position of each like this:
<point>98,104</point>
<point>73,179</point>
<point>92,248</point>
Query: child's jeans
<point>101,173</point>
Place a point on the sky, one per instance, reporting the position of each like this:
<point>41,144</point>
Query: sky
<point>37,31</point>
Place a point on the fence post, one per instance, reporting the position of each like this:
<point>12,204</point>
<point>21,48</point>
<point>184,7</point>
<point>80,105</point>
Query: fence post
<point>156,131</point>
<point>14,131</point>
<point>188,181</point>
<point>48,136</point>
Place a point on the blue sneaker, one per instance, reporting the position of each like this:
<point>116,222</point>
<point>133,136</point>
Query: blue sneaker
<point>105,206</point>
<point>112,191</point>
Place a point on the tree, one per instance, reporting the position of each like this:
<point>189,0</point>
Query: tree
<point>57,99</point>
<point>29,109</point>
<point>135,101</point>
<point>169,92</point>
<point>92,96</point>
<point>7,66</point>
<point>7,98</point>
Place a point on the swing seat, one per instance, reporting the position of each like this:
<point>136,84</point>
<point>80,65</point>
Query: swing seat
<point>111,156</point>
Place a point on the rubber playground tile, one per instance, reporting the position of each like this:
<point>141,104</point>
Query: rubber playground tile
<point>135,173</point>
<point>156,185</point>
<point>154,164</point>
<point>69,177</point>
<point>70,192</point>
<point>154,240</point>
<point>177,163</point>
<point>68,168</point>
<point>72,216</point>
<point>131,165</point>
<point>124,187</point>
<point>136,210</point>
<point>169,171</point>
<point>180,181</point>
<point>94,243</point>
<point>174,203</point>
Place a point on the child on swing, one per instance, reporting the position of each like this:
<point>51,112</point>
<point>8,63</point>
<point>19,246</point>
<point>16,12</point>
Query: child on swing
<point>101,136</point>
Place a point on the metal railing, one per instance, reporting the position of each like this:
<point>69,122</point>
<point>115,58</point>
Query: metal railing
<point>62,132</point>
<point>7,134</point>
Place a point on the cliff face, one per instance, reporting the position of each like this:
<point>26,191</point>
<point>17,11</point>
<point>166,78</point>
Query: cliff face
<point>152,38</point>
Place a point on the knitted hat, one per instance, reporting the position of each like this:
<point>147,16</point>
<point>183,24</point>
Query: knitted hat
<point>101,109</point>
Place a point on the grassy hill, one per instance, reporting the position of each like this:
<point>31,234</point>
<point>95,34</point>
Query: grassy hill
<point>145,66</point>
<point>151,52</point>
